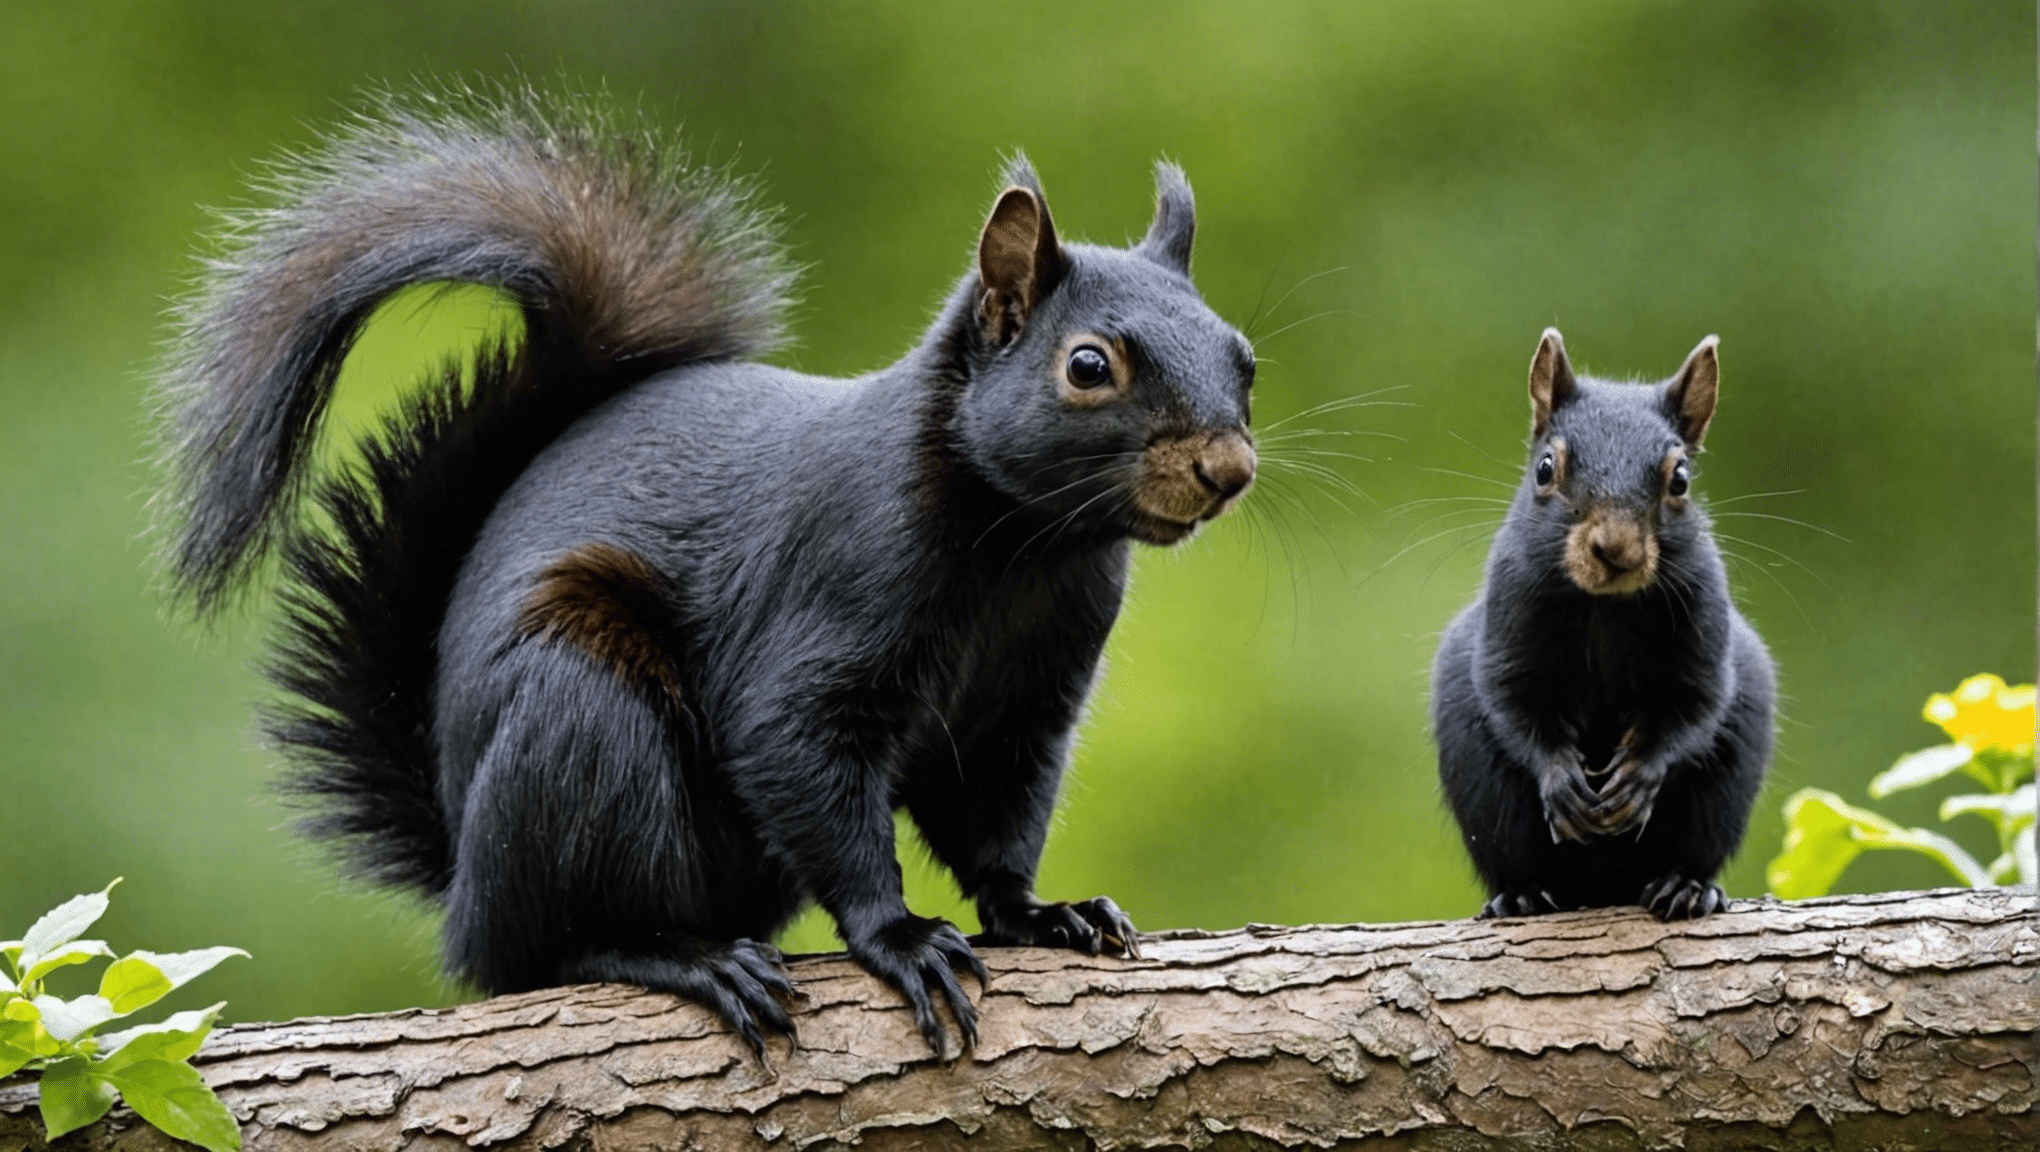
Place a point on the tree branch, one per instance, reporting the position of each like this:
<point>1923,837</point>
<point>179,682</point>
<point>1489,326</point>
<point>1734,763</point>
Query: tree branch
<point>1901,1020</point>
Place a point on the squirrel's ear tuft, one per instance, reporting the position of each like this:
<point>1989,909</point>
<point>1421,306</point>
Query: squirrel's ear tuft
<point>1690,397</point>
<point>1551,380</point>
<point>1020,174</point>
<point>1019,261</point>
<point>1168,239</point>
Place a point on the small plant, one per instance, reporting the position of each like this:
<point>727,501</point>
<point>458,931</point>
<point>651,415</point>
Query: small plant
<point>82,1073</point>
<point>1992,726</point>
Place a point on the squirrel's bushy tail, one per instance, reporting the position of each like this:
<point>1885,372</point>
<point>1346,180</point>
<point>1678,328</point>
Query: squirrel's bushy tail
<point>623,261</point>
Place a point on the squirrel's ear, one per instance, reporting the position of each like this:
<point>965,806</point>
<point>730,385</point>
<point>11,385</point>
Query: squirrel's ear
<point>1689,399</point>
<point>1168,239</point>
<point>1551,379</point>
<point>1019,261</point>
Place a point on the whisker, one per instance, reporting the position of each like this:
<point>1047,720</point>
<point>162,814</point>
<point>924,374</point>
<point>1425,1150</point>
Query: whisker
<point>1766,570</point>
<point>1308,319</point>
<point>1291,546</point>
<point>1315,470</point>
<point>1409,548</point>
<point>1293,436</point>
<point>1316,524</point>
<point>1052,493</point>
<point>1357,400</point>
<point>1786,520</point>
<point>1718,501</point>
<point>1448,553</point>
<point>1785,556</point>
<point>1469,476</point>
<point>1487,501</point>
<point>1059,524</point>
<point>1509,464</point>
<point>1277,306</point>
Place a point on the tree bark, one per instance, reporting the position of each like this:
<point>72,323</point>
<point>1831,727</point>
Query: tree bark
<point>1896,1021</point>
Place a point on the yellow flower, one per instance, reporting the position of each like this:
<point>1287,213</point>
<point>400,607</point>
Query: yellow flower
<point>1984,713</point>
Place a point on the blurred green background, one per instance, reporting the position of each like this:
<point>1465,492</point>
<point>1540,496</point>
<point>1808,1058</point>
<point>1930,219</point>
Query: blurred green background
<point>1844,191</point>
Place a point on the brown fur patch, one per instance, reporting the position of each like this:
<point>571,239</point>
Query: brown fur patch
<point>1187,479</point>
<point>1611,552</point>
<point>609,603</point>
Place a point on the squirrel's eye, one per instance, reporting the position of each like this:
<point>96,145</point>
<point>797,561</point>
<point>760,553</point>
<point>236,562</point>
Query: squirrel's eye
<point>1681,480</point>
<point>1088,367</point>
<point>1547,468</point>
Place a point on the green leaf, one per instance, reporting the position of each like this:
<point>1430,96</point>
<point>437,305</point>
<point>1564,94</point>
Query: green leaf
<point>62,924</point>
<point>180,968</point>
<point>1818,845</point>
<point>72,1096</point>
<point>2003,870</point>
<point>76,952</point>
<point>71,1019</point>
<point>1922,767</point>
<point>1823,833</point>
<point>174,1098</point>
<point>173,1039</point>
<point>132,982</point>
<point>17,1045</point>
<point>17,1009</point>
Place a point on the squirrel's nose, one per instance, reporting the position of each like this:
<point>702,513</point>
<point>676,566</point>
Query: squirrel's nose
<point>1622,552</point>
<point>1226,465</point>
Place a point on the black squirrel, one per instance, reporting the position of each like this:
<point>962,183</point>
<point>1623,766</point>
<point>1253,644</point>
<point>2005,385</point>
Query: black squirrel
<point>624,646</point>
<point>1602,710</point>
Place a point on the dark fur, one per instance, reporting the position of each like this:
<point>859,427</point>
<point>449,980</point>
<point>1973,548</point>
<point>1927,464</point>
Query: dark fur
<point>630,647</point>
<point>1539,687</point>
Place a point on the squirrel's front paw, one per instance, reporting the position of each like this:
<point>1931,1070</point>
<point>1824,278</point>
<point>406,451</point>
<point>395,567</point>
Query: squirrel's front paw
<point>913,953</point>
<point>1628,795</point>
<point>1095,925</point>
<point>1569,798</point>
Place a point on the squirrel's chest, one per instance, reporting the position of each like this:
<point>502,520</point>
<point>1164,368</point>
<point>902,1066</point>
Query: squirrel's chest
<point>996,669</point>
<point>1607,670</point>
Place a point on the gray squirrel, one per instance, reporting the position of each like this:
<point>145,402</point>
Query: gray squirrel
<point>624,646</point>
<point>1603,712</point>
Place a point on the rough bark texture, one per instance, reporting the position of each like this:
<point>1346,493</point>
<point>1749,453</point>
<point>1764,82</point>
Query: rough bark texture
<point>1898,1021</point>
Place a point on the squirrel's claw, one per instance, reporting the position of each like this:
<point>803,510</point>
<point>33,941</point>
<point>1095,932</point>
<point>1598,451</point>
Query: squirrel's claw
<point>1518,904</point>
<point>1628,797</point>
<point>1675,896</point>
<point>1094,926</point>
<point>915,953</point>
<point>1569,798</point>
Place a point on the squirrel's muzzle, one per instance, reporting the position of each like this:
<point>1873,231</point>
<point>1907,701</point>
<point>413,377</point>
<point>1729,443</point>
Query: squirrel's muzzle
<point>1186,480</point>
<point>1611,551</point>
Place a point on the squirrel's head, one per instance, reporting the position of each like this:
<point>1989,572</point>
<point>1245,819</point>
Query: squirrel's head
<point>1103,395</point>
<point>1611,465</point>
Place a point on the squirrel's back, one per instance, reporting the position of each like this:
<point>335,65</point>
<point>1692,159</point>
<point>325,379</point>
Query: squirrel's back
<point>624,261</point>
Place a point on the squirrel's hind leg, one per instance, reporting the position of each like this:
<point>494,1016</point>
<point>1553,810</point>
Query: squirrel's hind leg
<point>595,843</point>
